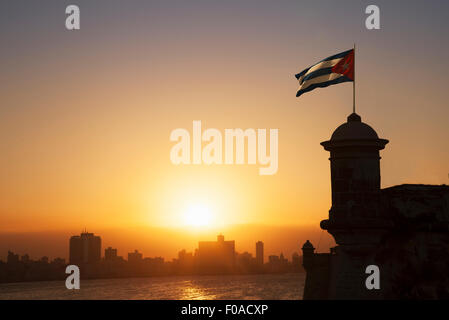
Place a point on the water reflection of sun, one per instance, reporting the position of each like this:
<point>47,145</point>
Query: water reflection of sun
<point>192,292</point>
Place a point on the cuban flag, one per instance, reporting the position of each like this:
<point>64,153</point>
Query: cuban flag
<point>335,69</point>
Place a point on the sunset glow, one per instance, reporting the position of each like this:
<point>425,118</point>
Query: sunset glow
<point>198,216</point>
<point>86,117</point>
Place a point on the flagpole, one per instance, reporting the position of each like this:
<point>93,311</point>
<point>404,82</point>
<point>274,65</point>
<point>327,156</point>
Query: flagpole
<point>353,86</point>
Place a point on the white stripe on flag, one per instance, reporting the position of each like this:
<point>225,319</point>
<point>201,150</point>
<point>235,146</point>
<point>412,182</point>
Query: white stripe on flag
<point>321,65</point>
<point>326,77</point>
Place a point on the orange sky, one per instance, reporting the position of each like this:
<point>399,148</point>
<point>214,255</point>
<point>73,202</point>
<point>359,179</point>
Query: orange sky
<point>86,118</point>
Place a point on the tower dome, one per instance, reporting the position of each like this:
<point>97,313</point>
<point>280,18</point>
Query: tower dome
<point>354,129</point>
<point>354,132</point>
<point>308,245</point>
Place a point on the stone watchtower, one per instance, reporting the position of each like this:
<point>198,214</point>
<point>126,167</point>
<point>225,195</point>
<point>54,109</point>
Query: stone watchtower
<point>307,254</point>
<point>403,230</point>
<point>355,179</point>
<point>355,218</point>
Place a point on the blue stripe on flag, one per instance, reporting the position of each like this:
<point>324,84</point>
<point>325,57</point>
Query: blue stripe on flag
<point>317,73</point>
<point>323,84</point>
<point>299,75</point>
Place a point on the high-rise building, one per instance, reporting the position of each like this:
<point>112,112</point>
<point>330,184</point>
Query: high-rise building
<point>135,257</point>
<point>110,254</point>
<point>85,248</point>
<point>216,256</point>
<point>259,252</point>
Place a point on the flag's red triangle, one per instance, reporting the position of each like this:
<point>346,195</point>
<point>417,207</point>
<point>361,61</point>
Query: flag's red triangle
<point>346,66</point>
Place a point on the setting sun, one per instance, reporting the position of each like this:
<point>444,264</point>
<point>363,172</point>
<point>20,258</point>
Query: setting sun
<point>198,216</point>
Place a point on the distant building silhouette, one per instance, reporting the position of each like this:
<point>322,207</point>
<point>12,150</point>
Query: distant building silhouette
<point>85,249</point>
<point>26,269</point>
<point>110,254</point>
<point>12,258</point>
<point>135,257</point>
<point>244,259</point>
<point>183,255</point>
<point>404,230</point>
<point>259,253</point>
<point>296,262</point>
<point>278,264</point>
<point>216,256</point>
<point>59,262</point>
<point>282,259</point>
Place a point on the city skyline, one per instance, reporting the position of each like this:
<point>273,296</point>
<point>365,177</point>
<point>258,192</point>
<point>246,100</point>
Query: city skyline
<point>210,257</point>
<point>76,243</point>
<point>52,244</point>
